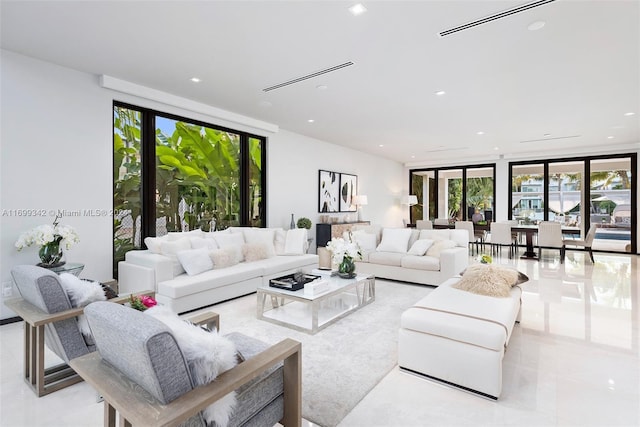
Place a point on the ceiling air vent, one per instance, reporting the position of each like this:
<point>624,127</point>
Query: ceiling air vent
<point>550,139</point>
<point>500,15</point>
<point>308,76</point>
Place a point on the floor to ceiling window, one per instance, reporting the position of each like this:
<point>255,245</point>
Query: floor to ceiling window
<point>598,190</point>
<point>176,174</point>
<point>455,193</point>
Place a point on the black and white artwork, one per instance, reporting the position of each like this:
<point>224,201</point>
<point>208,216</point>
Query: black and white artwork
<point>328,191</point>
<point>348,189</point>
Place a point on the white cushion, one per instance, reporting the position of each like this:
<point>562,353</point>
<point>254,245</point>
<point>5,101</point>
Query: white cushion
<point>295,242</point>
<point>171,249</point>
<point>427,263</point>
<point>415,235</point>
<point>177,235</point>
<point>366,241</point>
<point>278,240</point>
<point>257,251</point>
<point>420,247</point>
<point>395,240</point>
<point>207,354</point>
<point>231,240</point>
<point>386,258</point>
<point>199,242</point>
<point>154,243</point>
<point>440,245</point>
<point>225,257</point>
<point>259,235</point>
<point>195,261</point>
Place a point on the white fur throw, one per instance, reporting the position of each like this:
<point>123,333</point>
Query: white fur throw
<point>257,251</point>
<point>225,257</point>
<point>488,279</point>
<point>208,355</point>
<point>81,293</point>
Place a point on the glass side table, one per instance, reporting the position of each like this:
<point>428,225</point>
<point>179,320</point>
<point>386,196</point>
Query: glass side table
<point>74,268</point>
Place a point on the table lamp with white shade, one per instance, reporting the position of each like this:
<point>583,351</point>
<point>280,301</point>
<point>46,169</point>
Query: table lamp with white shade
<point>359,200</point>
<point>409,199</point>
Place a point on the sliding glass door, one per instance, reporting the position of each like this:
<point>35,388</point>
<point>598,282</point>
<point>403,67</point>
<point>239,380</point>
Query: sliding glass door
<point>598,190</point>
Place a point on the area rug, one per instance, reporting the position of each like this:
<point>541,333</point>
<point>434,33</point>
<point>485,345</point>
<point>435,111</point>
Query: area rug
<point>343,362</point>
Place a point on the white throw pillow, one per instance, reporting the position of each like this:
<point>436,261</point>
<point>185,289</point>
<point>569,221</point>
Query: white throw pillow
<point>231,240</point>
<point>278,241</point>
<point>395,240</point>
<point>366,241</point>
<point>207,354</point>
<point>171,249</point>
<point>226,257</point>
<point>420,247</point>
<point>81,293</point>
<point>440,245</point>
<point>257,251</point>
<point>295,242</point>
<point>154,243</point>
<point>265,236</point>
<point>195,261</point>
<point>199,242</point>
<point>172,236</point>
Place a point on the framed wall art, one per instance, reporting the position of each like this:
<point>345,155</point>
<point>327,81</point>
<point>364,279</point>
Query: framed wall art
<point>348,189</point>
<point>328,191</point>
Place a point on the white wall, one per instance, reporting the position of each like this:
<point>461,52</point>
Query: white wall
<point>56,154</point>
<point>294,161</point>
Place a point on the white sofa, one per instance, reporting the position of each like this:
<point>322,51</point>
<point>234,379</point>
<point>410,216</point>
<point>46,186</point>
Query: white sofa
<point>181,292</point>
<point>459,337</point>
<point>395,261</point>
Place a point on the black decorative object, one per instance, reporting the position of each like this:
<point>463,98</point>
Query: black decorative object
<point>292,282</point>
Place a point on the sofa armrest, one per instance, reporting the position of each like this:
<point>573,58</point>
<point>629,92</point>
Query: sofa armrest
<point>143,270</point>
<point>453,261</point>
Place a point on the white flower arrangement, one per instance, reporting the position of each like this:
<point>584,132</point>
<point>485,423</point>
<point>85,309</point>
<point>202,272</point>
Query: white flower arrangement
<point>43,234</point>
<point>340,248</point>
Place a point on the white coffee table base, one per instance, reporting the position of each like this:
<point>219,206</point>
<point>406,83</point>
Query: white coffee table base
<point>311,314</point>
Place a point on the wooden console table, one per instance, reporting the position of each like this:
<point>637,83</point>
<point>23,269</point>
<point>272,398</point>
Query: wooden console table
<point>326,231</point>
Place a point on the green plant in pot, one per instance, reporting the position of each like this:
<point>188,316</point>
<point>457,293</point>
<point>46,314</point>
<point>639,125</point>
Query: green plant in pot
<point>304,223</point>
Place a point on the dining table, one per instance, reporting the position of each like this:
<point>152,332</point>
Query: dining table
<point>532,229</point>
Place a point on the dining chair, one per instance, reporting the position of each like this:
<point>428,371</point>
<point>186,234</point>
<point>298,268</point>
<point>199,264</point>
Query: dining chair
<point>441,221</point>
<point>550,237</point>
<point>468,225</point>
<point>586,243</point>
<point>424,224</point>
<point>501,236</point>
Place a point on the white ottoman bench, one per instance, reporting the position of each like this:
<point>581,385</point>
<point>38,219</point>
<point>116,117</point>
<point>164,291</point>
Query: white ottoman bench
<point>459,337</point>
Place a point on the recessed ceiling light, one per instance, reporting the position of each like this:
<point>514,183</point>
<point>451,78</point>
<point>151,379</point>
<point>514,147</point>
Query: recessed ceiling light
<point>311,120</point>
<point>535,26</point>
<point>265,104</point>
<point>547,134</point>
<point>610,137</point>
<point>496,148</point>
<point>195,80</point>
<point>440,92</point>
<point>413,157</point>
<point>357,9</point>
<point>630,113</point>
<point>479,133</point>
<point>322,87</point>
<point>381,145</point>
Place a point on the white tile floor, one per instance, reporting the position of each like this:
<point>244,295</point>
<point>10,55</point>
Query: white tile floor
<point>573,360</point>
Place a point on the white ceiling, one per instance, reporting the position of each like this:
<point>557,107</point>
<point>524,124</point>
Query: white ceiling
<point>576,76</point>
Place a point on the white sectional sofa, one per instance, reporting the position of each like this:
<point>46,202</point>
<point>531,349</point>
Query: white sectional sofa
<point>459,337</point>
<point>165,266</point>
<point>397,253</point>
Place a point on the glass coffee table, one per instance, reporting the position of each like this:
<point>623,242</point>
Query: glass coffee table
<point>312,313</point>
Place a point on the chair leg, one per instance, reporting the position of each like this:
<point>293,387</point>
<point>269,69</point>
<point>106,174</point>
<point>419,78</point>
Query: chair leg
<point>591,255</point>
<point>562,252</point>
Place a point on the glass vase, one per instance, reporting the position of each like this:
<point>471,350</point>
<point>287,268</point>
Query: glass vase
<point>51,254</point>
<point>347,268</point>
